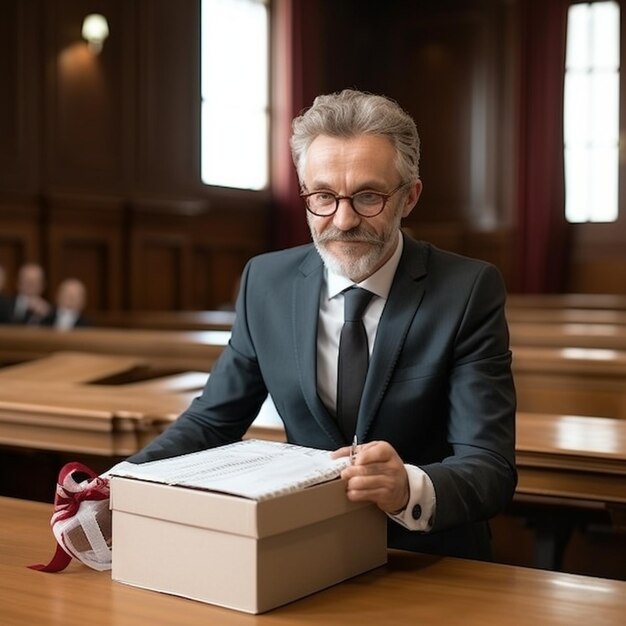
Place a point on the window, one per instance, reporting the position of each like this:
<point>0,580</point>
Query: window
<point>234,88</point>
<point>591,114</point>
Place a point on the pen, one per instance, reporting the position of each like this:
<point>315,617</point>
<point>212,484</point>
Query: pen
<point>353,447</point>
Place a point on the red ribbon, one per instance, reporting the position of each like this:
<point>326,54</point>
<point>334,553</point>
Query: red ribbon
<point>69,494</point>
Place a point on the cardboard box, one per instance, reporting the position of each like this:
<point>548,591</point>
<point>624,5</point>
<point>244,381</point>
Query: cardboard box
<point>240,553</point>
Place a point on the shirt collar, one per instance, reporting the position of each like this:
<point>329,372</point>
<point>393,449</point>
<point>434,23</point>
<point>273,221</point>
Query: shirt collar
<point>379,283</point>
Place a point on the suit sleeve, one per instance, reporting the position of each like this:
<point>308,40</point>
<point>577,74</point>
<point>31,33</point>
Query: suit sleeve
<point>229,402</point>
<point>479,478</point>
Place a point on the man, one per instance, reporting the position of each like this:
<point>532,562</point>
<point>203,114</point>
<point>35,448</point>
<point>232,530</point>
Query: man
<point>27,306</point>
<point>435,422</point>
<point>71,296</point>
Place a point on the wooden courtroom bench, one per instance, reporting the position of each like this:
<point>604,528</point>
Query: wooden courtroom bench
<point>578,381</point>
<point>410,588</point>
<point>117,420</point>
<point>569,468</point>
<point>563,335</point>
<point>565,316</point>
<point>164,320</point>
<point>165,349</point>
<point>615,302</point>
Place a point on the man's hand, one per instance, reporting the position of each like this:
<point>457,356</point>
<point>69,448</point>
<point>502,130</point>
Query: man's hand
<point>377,475</point>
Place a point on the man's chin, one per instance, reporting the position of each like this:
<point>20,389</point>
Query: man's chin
<point>344,261</point>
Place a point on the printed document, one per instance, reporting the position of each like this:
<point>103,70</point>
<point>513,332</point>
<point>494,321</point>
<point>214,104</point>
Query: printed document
<point>252,468</point>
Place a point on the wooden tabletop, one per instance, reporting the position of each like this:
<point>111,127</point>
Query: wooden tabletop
<point>71,367</point>
<point>411,589</point>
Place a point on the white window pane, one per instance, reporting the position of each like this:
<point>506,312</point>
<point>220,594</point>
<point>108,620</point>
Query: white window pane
<point>591,113</point>
<point>605,108</point>
<point>604,186</point>
<point>576,114</point>
<point>235,49</point>
<point>234,147</point>
<point>605,37</point>
<point>235,56</point>
<point>235,93</point>
<point>577,54</point>
<point>577,179</point>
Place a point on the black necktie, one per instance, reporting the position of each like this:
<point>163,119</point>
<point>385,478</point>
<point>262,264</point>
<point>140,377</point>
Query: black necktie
<point>353,360</point>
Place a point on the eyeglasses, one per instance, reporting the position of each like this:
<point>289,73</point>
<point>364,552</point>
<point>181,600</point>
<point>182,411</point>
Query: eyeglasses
<point>364,203</point>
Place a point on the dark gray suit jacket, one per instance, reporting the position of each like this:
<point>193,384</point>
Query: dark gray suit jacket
<point>439,386</point>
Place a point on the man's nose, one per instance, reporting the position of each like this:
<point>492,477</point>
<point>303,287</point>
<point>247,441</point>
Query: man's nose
<point>346,217</point>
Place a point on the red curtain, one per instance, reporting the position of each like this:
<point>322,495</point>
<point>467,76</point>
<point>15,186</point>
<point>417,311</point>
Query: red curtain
<point>541,225</point>
<point>295,85</point>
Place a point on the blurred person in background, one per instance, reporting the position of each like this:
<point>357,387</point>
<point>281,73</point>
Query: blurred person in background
<point>27,306</point>
<point>71,297</point>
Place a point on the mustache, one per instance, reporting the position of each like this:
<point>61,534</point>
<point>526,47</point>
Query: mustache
<point>356,234</point>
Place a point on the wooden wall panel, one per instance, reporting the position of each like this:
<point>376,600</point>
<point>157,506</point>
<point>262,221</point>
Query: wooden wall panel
<point>87,99</point>
<point>20,80</point>
<point>19,238</point>
<point>126,125</point>
<point>85,240</point>
<point>157,284</point>
<point>186,255</point>
<point>168,96</point>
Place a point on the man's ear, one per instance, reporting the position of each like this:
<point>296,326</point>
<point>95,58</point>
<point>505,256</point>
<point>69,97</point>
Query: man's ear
<point>411,198</point>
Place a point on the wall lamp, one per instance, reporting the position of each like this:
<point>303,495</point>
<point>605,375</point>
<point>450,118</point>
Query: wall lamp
<point>95,31</point>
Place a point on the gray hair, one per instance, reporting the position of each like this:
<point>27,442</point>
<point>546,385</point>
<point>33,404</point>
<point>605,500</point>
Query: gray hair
<point>350,113</point>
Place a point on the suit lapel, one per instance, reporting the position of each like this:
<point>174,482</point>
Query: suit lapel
<point>401,307</point>
<point>305,307</point>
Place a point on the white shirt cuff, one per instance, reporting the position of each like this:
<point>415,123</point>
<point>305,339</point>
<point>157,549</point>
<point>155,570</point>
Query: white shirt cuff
<point>419,513</point>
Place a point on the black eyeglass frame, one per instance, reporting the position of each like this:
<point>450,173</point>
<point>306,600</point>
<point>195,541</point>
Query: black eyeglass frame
<point>384,196</point>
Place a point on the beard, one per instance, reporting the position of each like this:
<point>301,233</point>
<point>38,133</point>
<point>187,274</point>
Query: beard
<point>352,263</point>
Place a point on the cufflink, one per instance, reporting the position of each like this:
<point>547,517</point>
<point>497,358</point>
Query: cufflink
<point>416,512</point>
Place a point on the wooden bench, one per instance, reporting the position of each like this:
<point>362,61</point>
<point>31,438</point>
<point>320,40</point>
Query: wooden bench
<point>615,302</point>
<point>161,350</point>
<point>570,468</point>
<point>578,381</point>
<point>563,335</point>
<point>164,320</point>
<point>565,316</point>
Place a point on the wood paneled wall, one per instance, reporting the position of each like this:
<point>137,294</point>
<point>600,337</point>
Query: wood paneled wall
<point>452,66</point>
<point>99,155</point>
<point>99,158</point>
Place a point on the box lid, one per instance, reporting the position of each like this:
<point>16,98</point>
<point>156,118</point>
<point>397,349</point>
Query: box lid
<point>228,513</point>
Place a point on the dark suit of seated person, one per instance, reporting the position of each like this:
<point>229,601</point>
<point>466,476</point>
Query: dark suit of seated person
<point>71,298</point>
<point>435,423</point>
<point>5,302</point>
<point>27,306</point>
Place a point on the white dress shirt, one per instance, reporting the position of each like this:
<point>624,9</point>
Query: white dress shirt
<point>330,322</point>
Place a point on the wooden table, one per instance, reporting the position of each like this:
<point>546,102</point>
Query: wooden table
<point>410,589</point>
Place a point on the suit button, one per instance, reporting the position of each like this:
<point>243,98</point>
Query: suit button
<point>416,512</point>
